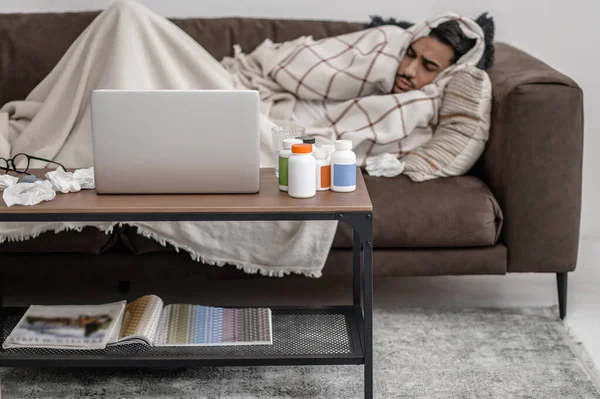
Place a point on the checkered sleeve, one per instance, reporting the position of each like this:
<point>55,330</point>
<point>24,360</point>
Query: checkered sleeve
<point>379,124</point>
<point>343,67</point>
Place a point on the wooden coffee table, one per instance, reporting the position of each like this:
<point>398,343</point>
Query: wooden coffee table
<point>301,336</point>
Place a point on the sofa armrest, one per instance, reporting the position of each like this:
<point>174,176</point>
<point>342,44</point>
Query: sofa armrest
<point>533,161</point>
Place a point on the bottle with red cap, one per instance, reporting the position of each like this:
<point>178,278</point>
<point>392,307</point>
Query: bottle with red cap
<point>302,167</point>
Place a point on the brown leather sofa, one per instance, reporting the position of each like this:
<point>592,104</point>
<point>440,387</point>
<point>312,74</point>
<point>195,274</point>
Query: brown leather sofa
<point>517,210</point>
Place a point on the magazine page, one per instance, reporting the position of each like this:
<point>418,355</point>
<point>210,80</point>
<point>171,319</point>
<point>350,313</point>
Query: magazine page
<point>140,321</point>
<point>197,325</point>
<point>66,326</point>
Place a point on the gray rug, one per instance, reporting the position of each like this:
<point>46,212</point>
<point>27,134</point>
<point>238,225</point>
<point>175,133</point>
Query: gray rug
<point>419,353</point>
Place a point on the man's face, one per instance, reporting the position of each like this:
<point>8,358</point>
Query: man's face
<point>424,60</point>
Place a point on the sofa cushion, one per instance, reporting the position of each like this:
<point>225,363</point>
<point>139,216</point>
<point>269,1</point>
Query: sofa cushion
<point>89,241</point>
<point>450,212</point>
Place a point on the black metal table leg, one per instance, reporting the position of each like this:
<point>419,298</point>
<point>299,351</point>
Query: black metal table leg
<point>356,254</point>
<point>362,224</point>
<point>1,311</point>
<point>368,305</point>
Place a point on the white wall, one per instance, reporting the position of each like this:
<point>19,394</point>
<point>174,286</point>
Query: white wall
<point>562,33</point>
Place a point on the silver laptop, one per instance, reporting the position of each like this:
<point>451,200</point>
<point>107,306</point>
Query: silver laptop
<point>175,141</point>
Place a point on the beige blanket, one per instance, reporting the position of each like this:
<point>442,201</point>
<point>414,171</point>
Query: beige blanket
<point>129,47</point>
<point>356,73</point>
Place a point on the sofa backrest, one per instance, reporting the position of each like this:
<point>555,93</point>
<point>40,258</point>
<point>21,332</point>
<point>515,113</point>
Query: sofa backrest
<point>32,44</point>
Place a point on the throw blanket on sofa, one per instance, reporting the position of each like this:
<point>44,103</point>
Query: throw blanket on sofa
<point>354,74</point>
<point>129,47</point>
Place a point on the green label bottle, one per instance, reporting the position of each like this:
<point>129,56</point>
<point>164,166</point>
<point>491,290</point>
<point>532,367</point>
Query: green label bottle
<point>283,171</point>
<point>284,156</point>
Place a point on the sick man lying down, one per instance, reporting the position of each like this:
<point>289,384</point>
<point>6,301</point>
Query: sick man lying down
<point>380,87</point>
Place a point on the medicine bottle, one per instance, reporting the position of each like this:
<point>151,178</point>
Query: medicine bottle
<point>323,169</point>
<point>283,158</point>
<point>343,167</point>
<point>302,172</point>
<point>308,140</point>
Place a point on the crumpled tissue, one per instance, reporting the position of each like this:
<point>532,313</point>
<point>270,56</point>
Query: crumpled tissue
<point>386,165</point>
<point>71,182</point>
<point>28,193</point>
<point>7,181</point>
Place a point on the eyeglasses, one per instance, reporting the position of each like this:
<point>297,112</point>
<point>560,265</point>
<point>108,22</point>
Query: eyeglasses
<point>10,165</point>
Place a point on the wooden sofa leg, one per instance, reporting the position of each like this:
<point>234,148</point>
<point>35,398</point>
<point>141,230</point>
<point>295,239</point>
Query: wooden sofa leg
<point>124,286</point>
<point>561,283</point>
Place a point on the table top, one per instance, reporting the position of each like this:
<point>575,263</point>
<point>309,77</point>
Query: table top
<point>269,200</point>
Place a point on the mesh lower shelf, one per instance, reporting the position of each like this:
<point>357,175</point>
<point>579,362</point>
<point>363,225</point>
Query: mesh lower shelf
<point>300,336</point>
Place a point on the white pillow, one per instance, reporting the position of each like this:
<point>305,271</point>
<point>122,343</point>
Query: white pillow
<point>463,129</point>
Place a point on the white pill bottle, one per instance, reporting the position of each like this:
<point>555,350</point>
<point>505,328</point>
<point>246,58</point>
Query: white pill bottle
<point>284,155</point>
<point>343,167</point>
<point>302,175</point>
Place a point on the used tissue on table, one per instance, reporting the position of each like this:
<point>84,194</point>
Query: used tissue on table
<point>28,193</point>
<point>386,165</point>
<point>7,181</point>
<point>71,182</point>
<point>85,177</point>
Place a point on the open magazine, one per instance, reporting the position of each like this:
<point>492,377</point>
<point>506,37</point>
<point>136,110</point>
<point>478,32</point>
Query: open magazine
<point>145,320</point>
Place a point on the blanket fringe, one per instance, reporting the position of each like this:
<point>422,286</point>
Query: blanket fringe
<point>197,257</point>
<point>214,261</point>
<point>64,227</point>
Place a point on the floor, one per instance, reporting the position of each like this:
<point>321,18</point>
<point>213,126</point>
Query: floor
<point>583,307</point>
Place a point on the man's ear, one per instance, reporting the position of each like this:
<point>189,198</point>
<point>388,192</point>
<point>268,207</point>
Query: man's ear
<point>489,30</point>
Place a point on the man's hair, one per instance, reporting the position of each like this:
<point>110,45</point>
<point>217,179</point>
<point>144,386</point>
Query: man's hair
<point>452,35</point>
